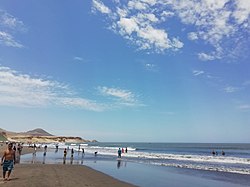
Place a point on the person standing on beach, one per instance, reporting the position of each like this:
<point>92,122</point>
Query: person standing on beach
<point>8,161</point>
<point>65,153</point>
<point>45,148</point>
<point>34,153</point>
<point>119,153</point>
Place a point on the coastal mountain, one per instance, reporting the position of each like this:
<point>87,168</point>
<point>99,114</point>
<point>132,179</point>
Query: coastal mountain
<point>38,132</point>
<point>38,135</point>
<point>35,132</point>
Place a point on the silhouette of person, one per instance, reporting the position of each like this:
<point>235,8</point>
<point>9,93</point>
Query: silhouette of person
<point>119,153</point>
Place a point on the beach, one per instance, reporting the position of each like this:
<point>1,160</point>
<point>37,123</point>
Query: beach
<point>37,175</point>
<point>143,165</point>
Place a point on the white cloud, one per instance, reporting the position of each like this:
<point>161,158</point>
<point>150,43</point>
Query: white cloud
<point>10,22</point>
<point>157,37</point>
<point>9,25</point>
<point>22,90</point>
<point>212,21</point>
<point>244,107</point>
<point>207,57</point>
<point>124,97</point>
<point>98,5</point>
<point>137,23</point>
<point>82,103</point>
<point>198,72</point>
<point>151,67</point>
<point>8,40</point>
<point>137,5</point>
<point>128,26</point>
<point>77,58</point>
<point>231,89</point>
<point>166,14</point>
<point>242,12</point>
<point>192,36</point>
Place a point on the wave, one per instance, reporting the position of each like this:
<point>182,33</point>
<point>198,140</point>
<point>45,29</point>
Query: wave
<point>194,158</point>
<point>208,168</point>
<point>134,153</point>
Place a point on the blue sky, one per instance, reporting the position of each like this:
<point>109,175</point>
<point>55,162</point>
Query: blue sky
<point>134,70</point>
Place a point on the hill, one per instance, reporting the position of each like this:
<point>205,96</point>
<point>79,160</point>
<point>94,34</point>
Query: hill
<point>38,132</point>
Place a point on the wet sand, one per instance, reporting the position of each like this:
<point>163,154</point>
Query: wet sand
<point>37,175</point>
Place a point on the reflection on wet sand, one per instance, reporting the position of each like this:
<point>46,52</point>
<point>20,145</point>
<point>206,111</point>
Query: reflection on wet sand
<point>33,158</point>
<point>118,164</point>
<point>44,157</point>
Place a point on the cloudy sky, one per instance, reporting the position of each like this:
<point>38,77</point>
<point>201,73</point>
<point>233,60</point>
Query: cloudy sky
<point>127,70</point>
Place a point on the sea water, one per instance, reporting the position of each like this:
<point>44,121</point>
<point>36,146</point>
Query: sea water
<point>181,155</point>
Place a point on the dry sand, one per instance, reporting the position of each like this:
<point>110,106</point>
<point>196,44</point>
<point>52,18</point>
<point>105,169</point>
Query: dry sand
<point>43,175</point>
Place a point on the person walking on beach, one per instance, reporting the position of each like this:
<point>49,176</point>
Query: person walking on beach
<point>8,161</point>
<point>45,148</point>
<point>126,150</point>
<point>119,153</point>
<point>19,148</point>
<point>72,153</point>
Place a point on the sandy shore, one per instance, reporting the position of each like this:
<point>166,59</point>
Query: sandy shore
<point>37,175</point>
<point>46,175</point>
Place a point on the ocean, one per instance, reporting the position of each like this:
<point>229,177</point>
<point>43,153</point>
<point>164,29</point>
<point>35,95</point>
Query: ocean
<point>157,164</point>
<point>196,156</point>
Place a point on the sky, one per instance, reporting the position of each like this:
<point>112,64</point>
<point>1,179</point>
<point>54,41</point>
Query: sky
<point>127,70</point>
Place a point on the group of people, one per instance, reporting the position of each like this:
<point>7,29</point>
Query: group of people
<point>9,157</point>
<point>72,154</point>
<point>216,153</point>
<point>120,151</point>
